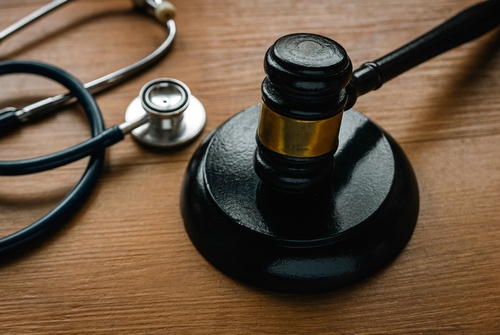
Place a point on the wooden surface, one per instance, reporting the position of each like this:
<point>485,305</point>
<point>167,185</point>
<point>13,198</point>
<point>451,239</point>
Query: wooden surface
<point>124,264</point>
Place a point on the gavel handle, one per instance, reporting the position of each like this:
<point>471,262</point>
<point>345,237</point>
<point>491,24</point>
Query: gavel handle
<point>463,27</point>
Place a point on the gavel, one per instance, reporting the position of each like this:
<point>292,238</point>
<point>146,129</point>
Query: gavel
<point>301,193</point>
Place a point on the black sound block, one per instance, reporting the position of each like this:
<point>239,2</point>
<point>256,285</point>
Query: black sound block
<point>357,222</point>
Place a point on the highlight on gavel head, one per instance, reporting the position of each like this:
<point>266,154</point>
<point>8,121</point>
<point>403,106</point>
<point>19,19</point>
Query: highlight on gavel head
<point>296,194</point>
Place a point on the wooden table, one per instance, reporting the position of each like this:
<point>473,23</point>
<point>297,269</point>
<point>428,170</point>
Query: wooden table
<point>124,263</point>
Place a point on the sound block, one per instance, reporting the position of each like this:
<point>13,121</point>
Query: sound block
<point>338,234</point>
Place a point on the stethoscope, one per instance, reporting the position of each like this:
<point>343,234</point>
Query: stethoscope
<point>165,114</point>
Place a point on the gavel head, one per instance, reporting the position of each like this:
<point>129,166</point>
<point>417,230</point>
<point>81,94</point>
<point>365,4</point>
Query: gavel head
<point>303,98</point>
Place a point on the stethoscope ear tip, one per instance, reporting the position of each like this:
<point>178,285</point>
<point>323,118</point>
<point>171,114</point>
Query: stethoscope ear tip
<point>163,10</point>
<point>175,116</point>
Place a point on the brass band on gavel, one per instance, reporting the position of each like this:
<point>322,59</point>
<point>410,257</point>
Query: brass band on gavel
<point>298,138</point>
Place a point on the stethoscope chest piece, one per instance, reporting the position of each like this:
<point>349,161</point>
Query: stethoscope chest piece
<point>175,116</point>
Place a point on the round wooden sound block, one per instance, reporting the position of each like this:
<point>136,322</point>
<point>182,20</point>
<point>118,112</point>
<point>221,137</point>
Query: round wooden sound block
<point>354,224</point>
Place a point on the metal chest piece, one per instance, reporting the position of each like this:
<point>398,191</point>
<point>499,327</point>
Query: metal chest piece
<point>176,117</point>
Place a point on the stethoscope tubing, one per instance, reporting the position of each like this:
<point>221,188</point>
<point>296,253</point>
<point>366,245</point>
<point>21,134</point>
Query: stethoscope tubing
<point>101,141</point>
<point>94,147</point>
<point>11,118</point>
<point>75,198</point>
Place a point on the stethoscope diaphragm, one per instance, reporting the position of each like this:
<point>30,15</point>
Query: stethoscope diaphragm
<point>175,116</point>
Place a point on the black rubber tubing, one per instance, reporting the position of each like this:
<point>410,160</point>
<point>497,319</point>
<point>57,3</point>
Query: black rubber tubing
<point>75,198</point>
<point>8,119</point>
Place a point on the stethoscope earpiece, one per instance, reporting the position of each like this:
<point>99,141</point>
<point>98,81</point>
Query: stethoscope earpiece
<point>162,10</point>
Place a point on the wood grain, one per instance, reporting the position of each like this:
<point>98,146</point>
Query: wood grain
<point>124,264</point>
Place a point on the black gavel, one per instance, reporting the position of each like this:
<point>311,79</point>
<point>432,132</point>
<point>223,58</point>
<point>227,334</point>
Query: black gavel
<point>301,193</point>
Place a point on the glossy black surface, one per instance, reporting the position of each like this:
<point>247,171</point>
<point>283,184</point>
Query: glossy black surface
<point>291,174</point>
<point>349,228</point>
<point>467,25</point>
<point>306,76</point>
